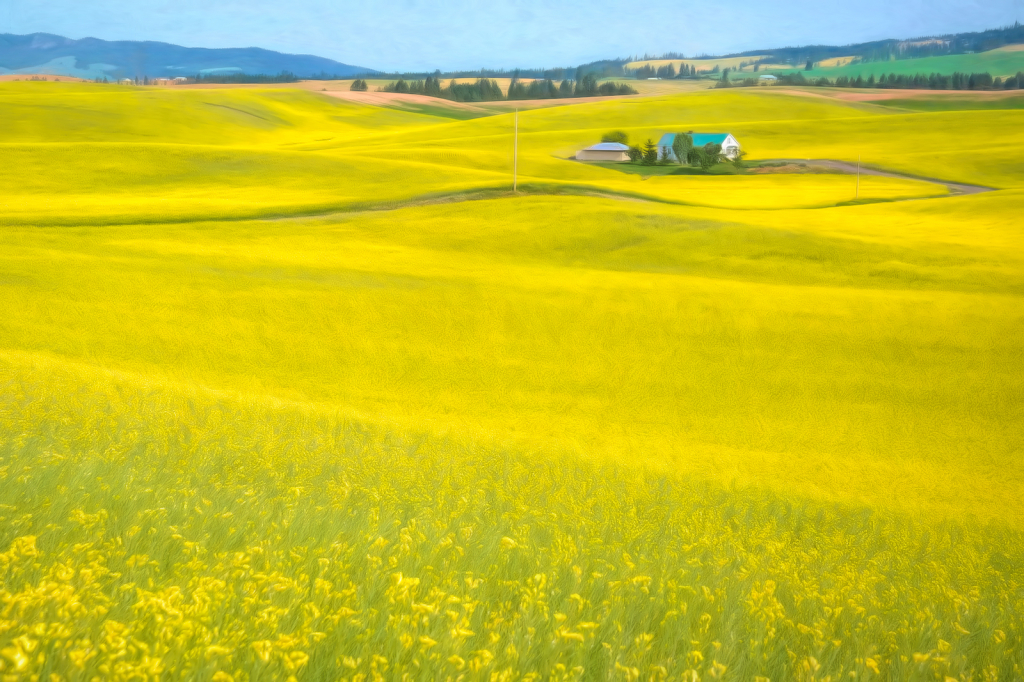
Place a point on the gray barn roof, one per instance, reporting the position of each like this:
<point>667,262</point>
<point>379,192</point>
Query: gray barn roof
<point>607,147</point>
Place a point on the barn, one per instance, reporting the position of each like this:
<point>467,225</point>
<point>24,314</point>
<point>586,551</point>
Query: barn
<point>604,151</point>
<point>730,145</point>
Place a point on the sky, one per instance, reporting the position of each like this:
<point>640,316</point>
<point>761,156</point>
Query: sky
<point>419,35</point>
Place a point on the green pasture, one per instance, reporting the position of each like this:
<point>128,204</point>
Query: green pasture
<point>1012,100</point>
<point>296,387</point>
<point>1000,62</point>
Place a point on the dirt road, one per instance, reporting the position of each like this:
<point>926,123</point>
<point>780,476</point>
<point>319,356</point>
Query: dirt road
<point>955,188</point>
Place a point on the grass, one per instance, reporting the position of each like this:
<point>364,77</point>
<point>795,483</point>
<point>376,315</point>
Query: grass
<point>523,437</point>
<point>1000,62</point>
<point>1011,100</point>
<point>668,169</point>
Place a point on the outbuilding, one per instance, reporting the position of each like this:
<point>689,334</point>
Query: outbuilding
<point>604,151</point>
<point>730,145</point>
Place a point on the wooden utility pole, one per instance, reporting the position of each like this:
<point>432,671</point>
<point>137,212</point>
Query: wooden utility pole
<point>515,156</point>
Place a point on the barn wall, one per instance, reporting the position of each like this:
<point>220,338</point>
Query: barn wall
<point>584,155</point>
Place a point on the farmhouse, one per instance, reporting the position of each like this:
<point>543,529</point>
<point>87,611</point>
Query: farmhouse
<point>604,151</point>
<point>730,145</point>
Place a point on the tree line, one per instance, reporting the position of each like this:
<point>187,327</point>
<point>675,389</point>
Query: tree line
<point>488,90</point>
<point>934,81</point>
<point>669,71</point>
<point>283,77</point>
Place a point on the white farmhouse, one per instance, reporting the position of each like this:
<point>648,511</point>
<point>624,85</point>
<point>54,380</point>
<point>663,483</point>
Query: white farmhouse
<point>730,145</point>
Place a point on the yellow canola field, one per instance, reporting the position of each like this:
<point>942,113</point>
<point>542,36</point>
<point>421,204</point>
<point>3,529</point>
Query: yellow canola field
<point>695,428</point>
<point>152,170</point>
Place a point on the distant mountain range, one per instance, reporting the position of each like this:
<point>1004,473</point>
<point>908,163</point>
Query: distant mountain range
<point>43,53</point>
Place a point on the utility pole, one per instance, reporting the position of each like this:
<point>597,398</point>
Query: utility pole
<point>858,177</point>
<point>515,156</point>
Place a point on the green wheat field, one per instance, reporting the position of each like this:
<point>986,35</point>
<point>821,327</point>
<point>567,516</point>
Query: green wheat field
<point>295,388</point>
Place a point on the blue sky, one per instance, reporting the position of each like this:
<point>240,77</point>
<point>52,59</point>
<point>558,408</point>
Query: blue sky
<point>428,34</point>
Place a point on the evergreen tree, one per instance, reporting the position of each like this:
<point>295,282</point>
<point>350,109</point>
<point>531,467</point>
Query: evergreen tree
<point>650,150</point>
<point>643,73</point>
<point>516,89</point>
<point>810,65</point>
<point>586,86</point>
<point>565,88</point>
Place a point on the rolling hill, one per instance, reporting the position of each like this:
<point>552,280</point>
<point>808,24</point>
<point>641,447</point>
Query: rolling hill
<point>43,53</point>
<point>277,401</point>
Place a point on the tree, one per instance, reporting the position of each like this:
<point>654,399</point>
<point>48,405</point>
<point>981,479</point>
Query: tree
<point>516,89</point>
<point>635,154</point>
<point>586,86</point>
<point>432,86</point>
<point>643,73</point>
<point>810,65</point>
<point>607,89</point>
<point>565,88</point>
<point>682,143</point>
<point>707,156</point>
<point>650,150</point>
<point>615,136</point>
<point>359,85</point>
<point>713,154</point>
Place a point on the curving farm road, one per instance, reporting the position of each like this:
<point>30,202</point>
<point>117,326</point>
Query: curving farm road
<point>955,188</point>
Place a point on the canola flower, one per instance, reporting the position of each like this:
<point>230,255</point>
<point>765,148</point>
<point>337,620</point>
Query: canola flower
<point>853,371</point>
<point>148,534</point>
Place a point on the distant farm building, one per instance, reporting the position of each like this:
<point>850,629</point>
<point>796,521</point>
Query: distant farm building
<point>604,151</point>
<point>768,78</point>
<point>730,145</point>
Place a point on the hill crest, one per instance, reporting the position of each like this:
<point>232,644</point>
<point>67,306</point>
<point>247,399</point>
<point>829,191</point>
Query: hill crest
<point>45,53</point>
